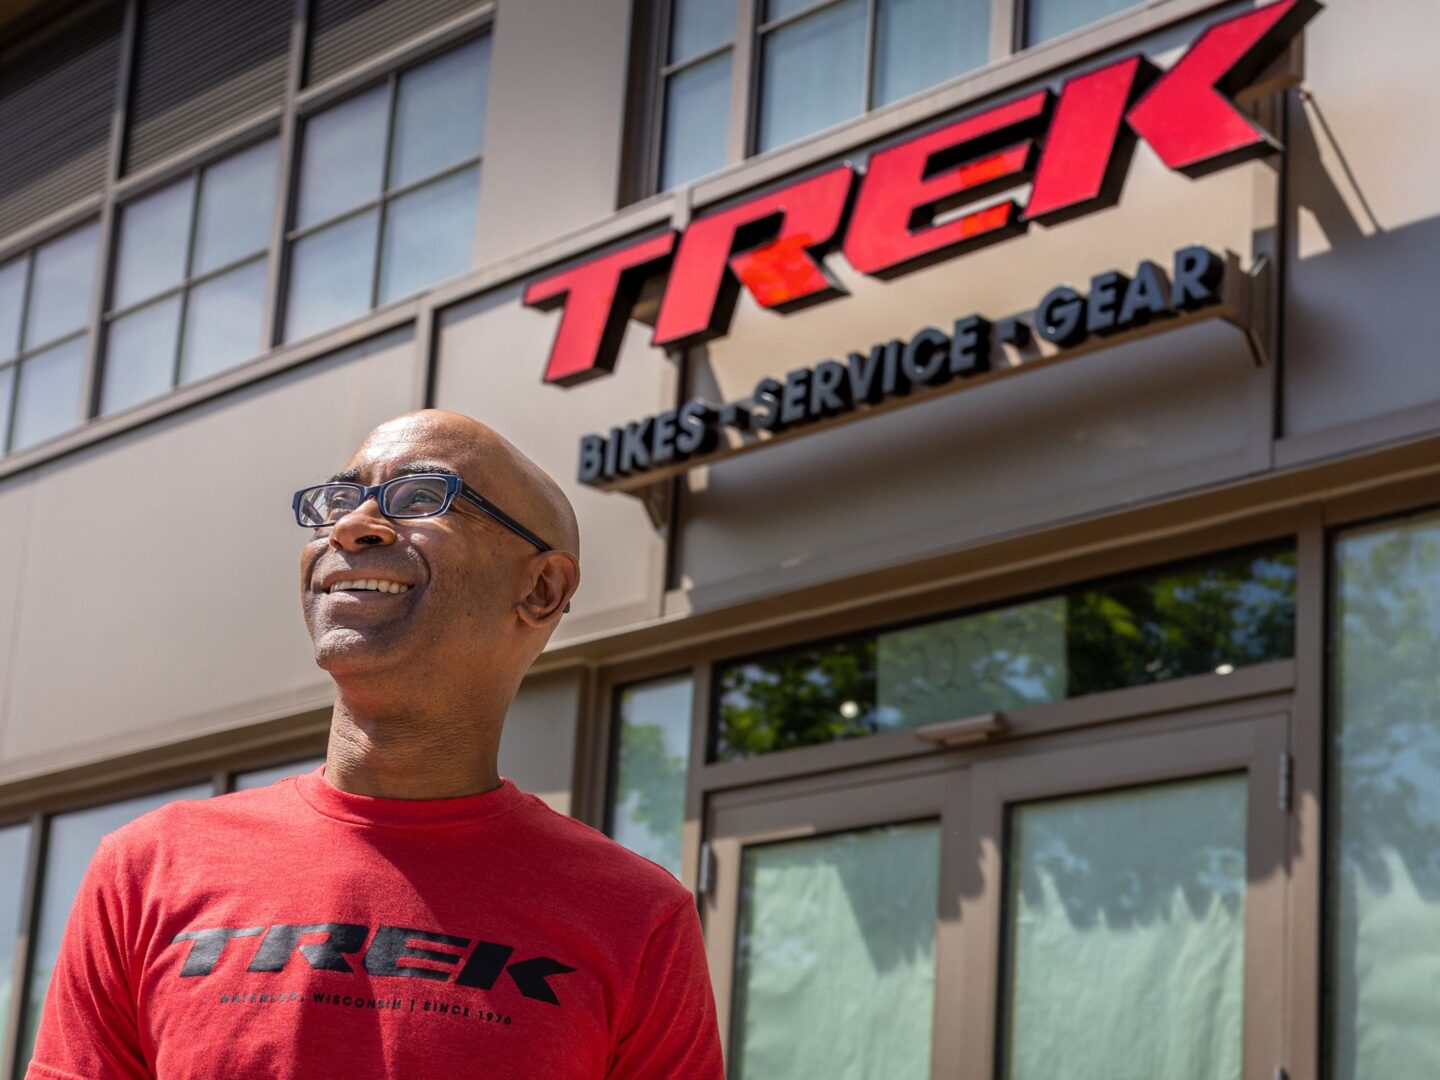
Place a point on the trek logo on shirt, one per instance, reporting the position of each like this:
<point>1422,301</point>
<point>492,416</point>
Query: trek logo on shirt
<point>389,954</point>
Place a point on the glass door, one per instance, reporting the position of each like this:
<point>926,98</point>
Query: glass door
<point>1105,903</point>
<point>822,924</point>
<point>1128,907</point>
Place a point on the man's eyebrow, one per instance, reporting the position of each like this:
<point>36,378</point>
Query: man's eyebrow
<point>352,475</point>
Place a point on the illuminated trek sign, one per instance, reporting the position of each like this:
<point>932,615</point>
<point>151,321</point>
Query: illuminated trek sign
<point>1074,149</point>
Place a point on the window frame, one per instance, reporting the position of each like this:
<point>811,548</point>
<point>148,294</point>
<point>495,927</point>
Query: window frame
<point>26,351</point>
<point>1045,716</point>
<point>971,792</point>
<point>294,233</point>
<point>195,172</point>
<point>1010,63</point>
<point>218,770</point>
<point>102,208</point>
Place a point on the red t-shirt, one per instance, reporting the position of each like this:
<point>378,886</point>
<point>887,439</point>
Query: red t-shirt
<point>297,930</point>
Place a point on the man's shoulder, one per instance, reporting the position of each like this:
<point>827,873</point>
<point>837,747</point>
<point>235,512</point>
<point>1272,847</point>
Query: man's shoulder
<point>198,818</point>
<point>602,863</point>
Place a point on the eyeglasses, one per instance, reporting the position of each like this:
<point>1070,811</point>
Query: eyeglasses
<point>405,497</point>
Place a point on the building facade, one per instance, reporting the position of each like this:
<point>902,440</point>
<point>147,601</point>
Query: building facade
<point>1005,436</point>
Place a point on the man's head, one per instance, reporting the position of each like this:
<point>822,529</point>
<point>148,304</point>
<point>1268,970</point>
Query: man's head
<point>481,599</point>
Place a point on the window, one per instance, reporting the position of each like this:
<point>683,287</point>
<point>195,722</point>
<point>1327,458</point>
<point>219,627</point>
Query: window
<point>73,840</point>
<point>1046,19</point>
<point>817,63</point>
<point>1126,933</point>
<point>835,958</point>
<point>815,70</point>
<point>45,298</point>
<point>1209,617</point>
<point>1384,827</point>
<point>696,90</point>
<point>650,758</point>
<point>188,293</point>
<point>387,192</point>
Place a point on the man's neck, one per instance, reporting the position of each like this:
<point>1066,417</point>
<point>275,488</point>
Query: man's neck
<point>413,752</point>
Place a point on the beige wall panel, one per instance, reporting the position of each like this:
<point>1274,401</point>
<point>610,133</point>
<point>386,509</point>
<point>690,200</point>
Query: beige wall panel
<point>491,358</point>
<point>138,626</point>
<point>1125,423</point>
<point>1361,319</point>
<point>553,120</point>
<point>538,748</point>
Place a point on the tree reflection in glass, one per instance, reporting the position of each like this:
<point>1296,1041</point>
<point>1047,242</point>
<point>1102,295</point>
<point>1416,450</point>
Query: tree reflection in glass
<point>1212,617</point>
<point>652,752</point>
<point>1385,809</point>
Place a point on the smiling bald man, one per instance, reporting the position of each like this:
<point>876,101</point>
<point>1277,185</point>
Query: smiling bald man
<point>403,911</point>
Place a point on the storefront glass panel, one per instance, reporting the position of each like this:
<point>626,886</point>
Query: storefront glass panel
<point>154,243</point>
<point>48,398</point>
<point>73,840</point>
<point>835,965</point>
<point>1384,912</point>
<point>919,43</point>
<point>140,355</point>
<point>440,114</point>
<point>222,322</point>
<point>60,292</point>
<point>1126,934</point>
<point>1046,19</point>
<point>812,74</point>
<point>651,755</point>
<point>429,235</point>
<point>14,857</point>
<point>1190,620</point>
<point>697,115</point>
<point>12,302</point>
<point>237,204</point>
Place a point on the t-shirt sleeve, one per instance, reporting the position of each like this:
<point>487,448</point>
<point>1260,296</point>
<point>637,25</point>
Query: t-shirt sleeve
<point>88,1027</point>
<point>670,1028</point>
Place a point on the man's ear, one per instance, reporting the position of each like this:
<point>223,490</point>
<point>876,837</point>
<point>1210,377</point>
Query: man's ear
<point>555,575</point>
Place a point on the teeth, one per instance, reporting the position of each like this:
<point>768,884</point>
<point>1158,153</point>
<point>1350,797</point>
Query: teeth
<point>369,585</point>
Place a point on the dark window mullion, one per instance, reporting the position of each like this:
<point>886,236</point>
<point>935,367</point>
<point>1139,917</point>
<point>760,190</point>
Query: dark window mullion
<point>140,305</point>
<point>414,185</point>
<point>189,272</point>
<point>24,332</point>
<point>15,1025</point>
<point>318,227</point>
<point>387,172</point>
<point>745,83</point>
<point>872,33</point>
<point>696,60</point>
<point>794,16</point>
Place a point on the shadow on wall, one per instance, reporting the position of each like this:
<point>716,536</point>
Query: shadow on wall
<point>1360,323</point>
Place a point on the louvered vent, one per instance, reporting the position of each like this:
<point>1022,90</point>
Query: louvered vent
<point>201,67</point>
<point>344,32</point>
<point>56,98</point>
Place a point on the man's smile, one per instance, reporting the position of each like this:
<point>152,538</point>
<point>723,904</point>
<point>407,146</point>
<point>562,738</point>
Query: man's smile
<point>368,585</point>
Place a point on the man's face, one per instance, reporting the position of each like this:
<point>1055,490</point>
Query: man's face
<point>450,583</point>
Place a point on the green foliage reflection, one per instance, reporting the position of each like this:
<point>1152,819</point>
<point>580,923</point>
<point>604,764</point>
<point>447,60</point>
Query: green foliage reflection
<point>1189,620</point>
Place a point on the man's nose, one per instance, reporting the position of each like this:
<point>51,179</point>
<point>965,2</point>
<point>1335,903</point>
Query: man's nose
<point>364,526</point>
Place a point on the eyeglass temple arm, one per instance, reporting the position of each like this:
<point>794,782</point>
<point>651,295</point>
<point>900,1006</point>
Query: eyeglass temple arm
<point>503,518</point>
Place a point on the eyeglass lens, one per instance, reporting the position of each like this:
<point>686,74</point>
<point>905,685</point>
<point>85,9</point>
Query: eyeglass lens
<point>406,497</point>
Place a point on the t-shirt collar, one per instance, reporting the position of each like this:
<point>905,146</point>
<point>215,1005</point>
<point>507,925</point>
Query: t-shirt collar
<point>406,813</point>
